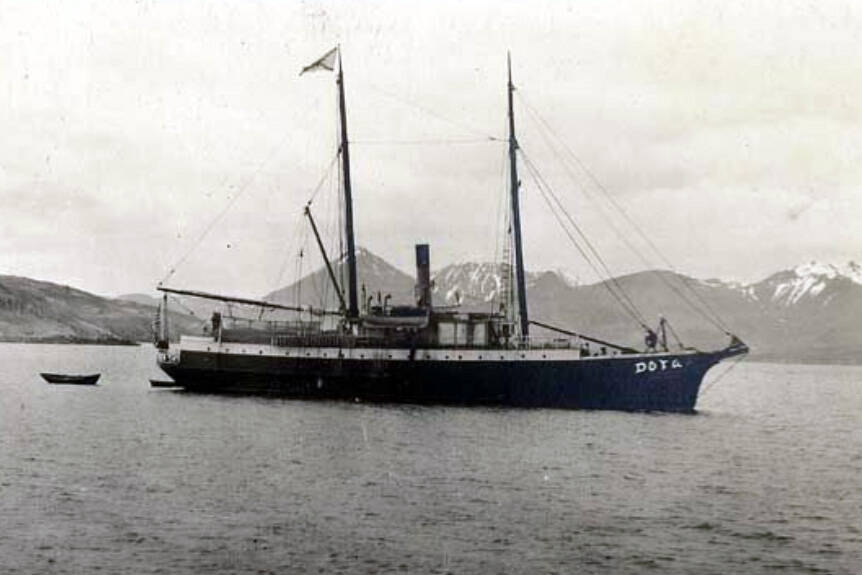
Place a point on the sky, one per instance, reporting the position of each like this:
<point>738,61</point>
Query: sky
<point>150,136</point>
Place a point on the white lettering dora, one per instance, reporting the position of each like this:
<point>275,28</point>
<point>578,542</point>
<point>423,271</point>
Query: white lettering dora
<point>660,365</point>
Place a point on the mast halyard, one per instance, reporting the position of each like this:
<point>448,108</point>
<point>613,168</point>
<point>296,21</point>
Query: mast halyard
<point>523,317</point>
<point>353,306</point>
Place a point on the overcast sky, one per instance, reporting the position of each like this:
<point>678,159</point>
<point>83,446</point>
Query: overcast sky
<point>728,130</point>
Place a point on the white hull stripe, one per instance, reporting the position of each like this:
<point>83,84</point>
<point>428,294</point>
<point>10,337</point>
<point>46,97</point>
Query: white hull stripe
<point>205,345</point>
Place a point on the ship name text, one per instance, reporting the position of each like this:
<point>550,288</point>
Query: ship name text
<point>657,365</point>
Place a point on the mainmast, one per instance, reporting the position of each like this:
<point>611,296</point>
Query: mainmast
<point>514,186</point>
<point>353,307</point>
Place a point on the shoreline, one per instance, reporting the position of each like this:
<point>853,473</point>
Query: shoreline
<point>757,358</point>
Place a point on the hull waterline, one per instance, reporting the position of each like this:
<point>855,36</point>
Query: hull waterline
<point>653,382</point>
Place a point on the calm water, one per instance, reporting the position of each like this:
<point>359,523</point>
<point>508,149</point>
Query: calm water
<point>125,479</point>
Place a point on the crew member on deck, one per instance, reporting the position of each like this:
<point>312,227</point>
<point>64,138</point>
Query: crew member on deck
<point>216,322</point>
<point>651,340</point>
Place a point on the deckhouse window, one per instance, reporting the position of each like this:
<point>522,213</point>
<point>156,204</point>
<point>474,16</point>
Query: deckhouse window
<point>446,333</point>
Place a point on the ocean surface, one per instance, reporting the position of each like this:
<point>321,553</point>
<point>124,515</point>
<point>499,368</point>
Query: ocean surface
<point>121,478</point>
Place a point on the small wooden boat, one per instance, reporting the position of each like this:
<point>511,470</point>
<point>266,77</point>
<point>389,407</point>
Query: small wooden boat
<point>71,379</point>
<point>163,383</point>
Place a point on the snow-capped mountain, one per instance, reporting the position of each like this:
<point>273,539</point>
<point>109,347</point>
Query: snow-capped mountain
<point>812,312</point>
<point>479,286</point>
<point>468,283</point>
<point>809,281</point>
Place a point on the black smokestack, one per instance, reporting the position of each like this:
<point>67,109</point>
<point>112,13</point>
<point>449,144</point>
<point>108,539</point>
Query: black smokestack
<point>423,276</point>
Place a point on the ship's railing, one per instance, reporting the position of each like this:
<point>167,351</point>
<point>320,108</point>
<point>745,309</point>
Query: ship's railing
<point>332,340</point>
<point>347,341</point>
<point>271,325</point>
<point>587,349</point>
<point>546,343</point>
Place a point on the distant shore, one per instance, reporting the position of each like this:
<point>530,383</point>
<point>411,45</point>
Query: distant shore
<point>754,358</point>
<point>806,360</point>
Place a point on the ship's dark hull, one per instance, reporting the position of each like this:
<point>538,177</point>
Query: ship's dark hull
<point>636,383</point>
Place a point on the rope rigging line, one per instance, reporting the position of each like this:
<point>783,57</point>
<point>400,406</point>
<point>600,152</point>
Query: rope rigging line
<point>190,311</point>
<point>299,224</point>
<point>722,375</point>
<point>326,175</point>
<point>329,222</point>
<point>501,235</point>
<point>608,274</point>
<point>242,189</point>
<point>433,114</point>
<point>707,312</point>
<point>288,253</point>
<point>646,263</point>
<point>674,334</point>
<point>299,261</point>
<point>617,290</point>
<point>428,142</point>
<point>709,315</point>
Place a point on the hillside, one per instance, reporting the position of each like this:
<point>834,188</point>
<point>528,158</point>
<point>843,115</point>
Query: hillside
<point>375,273</point>
<point>808,314</point>
<point>38,311</point>
<point>182,305</point>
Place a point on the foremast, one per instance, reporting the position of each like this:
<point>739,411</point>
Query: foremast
<point>514,186</point>
<point>352,304</point>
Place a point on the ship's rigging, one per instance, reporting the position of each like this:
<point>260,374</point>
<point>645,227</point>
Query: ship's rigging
<point>424,352</point>
<point>511,299</point>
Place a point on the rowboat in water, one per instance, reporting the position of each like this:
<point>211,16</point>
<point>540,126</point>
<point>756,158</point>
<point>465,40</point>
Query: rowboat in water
<point>62,378</point>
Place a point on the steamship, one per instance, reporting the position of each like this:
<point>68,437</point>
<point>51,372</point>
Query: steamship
<point>426,353</point>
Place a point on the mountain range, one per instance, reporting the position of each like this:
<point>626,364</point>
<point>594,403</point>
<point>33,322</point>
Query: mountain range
<point>808,314</point>
<point>39,311</point>
<point>811,313</point>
